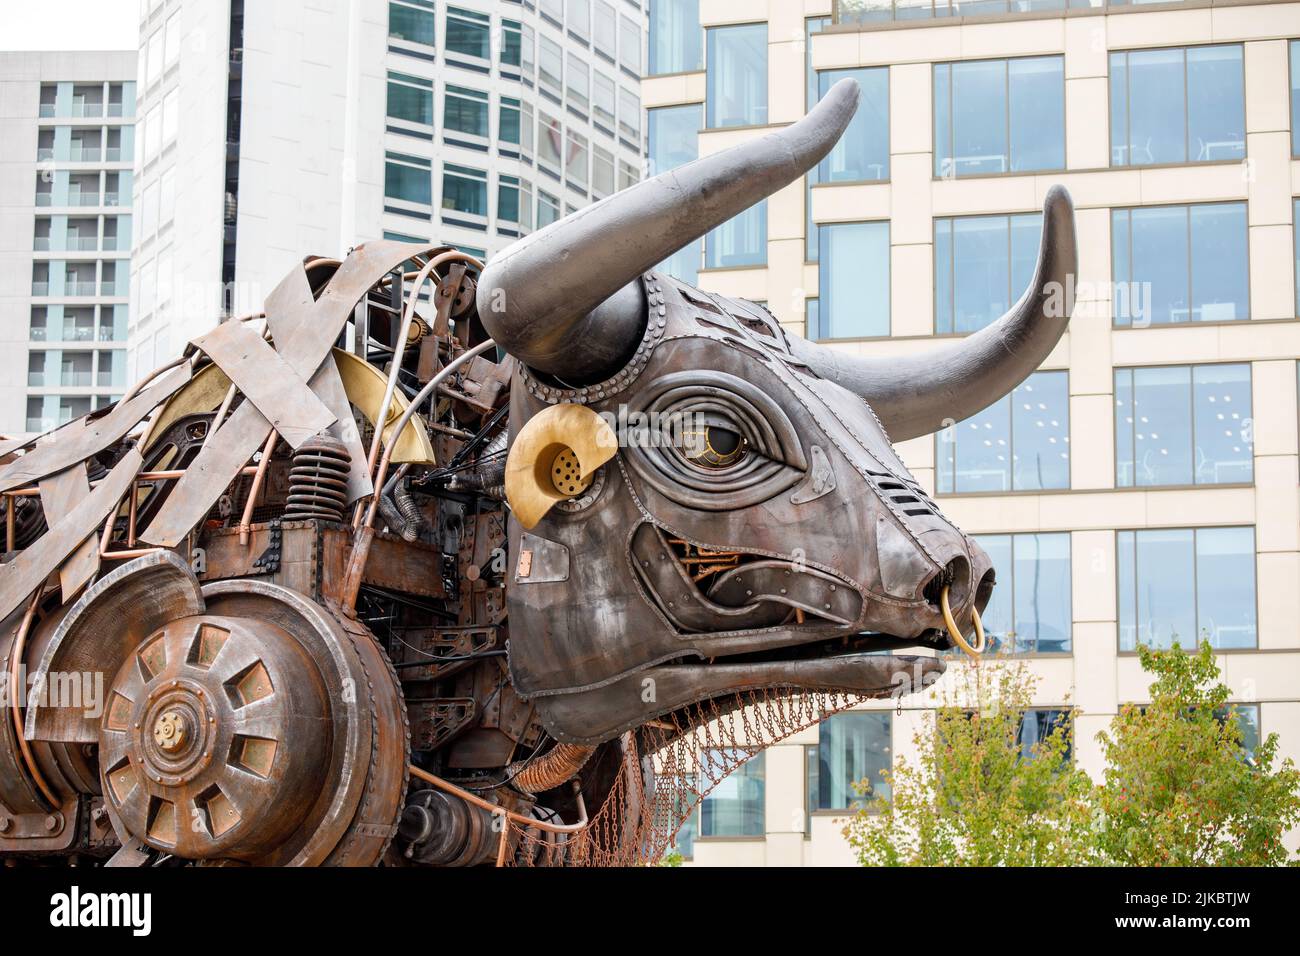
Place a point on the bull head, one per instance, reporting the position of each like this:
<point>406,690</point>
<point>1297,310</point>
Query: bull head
<point>703,504</point>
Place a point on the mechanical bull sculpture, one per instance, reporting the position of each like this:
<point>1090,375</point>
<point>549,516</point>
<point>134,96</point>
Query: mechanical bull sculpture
<point>375,577</point>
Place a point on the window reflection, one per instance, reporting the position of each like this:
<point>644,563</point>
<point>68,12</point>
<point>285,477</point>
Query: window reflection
<point>675,36</point>
<point>674,141</point>
<point>982,265</point>
<point>737,76</point>
<point>999,116</point>
<point>854,281</point>
<point>1030,610</point>
<point>735,805</point>
<point>740,242</point>
<point>1183,425</point>
<point>1019,443</point>
<point>1186,585</point>
<point>862,153</point>
<point>1184,105</point>
<point>852,749</point>
<point>1177,264</point>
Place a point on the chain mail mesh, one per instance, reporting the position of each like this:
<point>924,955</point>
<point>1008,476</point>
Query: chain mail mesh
<point>637,822</point>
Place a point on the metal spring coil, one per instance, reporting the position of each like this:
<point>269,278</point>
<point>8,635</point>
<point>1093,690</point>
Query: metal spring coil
<point>318,481</point>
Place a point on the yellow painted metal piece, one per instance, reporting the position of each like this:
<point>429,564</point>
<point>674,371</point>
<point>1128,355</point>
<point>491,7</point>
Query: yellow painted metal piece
<point>554,458</point>
<point>363,383</point>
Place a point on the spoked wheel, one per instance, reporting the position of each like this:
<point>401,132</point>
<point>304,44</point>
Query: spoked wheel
<point>253,726</point>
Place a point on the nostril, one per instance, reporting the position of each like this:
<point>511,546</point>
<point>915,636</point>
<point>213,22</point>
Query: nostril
<point>985,590</point>
<point>956,577</point>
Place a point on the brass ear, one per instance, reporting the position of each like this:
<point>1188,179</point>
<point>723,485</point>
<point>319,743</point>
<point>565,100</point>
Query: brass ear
<point>554,458</point>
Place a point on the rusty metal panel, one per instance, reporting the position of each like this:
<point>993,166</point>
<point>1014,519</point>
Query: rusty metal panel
<point>69,448</point>
<point>304,338</point>
<point>29,569</point>
<point>267,381</point>
<point>59,495</point>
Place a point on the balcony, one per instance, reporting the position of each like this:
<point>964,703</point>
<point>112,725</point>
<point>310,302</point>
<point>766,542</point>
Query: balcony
<point>41,244</point>
<point>36,425</point>
<point>45,199</point>
<point>35,379</point>
<point>48,110</point>
<point>75,379</point>
<point>72,333</point>
<point>87,110</point>
<point>82,243</point>
<point>73,287</point>
<point>83,199</point>
<point>44,155</point>
<point>84,154</point>
<point>112,288</point>
<point>112,199</point>
<point>40,289</point>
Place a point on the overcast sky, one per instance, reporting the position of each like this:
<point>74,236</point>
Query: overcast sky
<point>69,25</point>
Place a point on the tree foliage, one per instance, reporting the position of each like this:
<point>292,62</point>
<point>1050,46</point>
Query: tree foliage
<point>971,797</point>
<point>1178,789</point>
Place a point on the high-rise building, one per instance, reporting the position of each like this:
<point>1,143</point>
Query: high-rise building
<point>274,130</point>
<point>1144,486</point>
<point>66,147</point>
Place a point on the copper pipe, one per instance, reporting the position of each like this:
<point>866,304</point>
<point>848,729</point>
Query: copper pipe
<point>10,523</point>
<point>129,555</point>
<point>399,349</point>
<point>246,522</point>
<point>143,477</point>
<point>130,515</point>
<point>135,389</point>
<point>16,695</point>
<point>558,765</point>
<point>365,535</point>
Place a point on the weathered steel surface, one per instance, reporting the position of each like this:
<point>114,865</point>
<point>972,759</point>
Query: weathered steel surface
<point>60,493</point>
<point>303,338</point>
<point>267,381</point>
<point>68,447</point>
<point>29,569</point>
<point>109,621</point>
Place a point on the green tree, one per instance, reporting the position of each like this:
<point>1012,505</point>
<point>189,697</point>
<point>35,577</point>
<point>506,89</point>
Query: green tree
<point>972,797</point>
<point>1179,790</point>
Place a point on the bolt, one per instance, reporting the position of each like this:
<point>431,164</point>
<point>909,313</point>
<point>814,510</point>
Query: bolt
<point>5,824</point>
<point>51,824</point>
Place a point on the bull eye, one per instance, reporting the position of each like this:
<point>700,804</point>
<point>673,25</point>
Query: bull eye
<point>713,446</point>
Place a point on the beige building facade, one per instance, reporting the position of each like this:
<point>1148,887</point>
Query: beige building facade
<point>1135,518</point>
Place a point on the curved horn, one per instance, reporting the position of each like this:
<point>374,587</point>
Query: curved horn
<point>918,394</point>
<point>541,299</point>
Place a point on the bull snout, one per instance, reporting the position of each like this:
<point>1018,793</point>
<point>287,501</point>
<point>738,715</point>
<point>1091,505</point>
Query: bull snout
<point>961,588</point>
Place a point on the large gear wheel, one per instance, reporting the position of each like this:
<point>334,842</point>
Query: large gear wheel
<point>262,730</point>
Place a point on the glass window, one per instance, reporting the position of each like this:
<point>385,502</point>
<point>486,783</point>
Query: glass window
<point>629,116</point>
<point>602,99</point>
<point>1036,725</point>
<point>508,207</point>
<point>553,10</point>
<point>628,175</point>
<point>735,805</point>
<point>579,18</point>
<point>736,93</point>
<point>1295,97</point>
<point>852,752</point>
<point>675,37</point>
<point>576,156</point>
<point>862,153</point>
<point>1019,443</point>
<point>998,116</point>
<point>602,172</point>
<point>629,46</point>
<point>605,30</point>
<point>1181,105</point>
<point>410,98</point>
<point>469,33</point>
<point>1183,425</point>
<point>1247,716</point>
<point>550,66</point>
<point>509,125</point>
<point>527,53</point>
<point>739,242</point>
<point>465,111</point>
<point>1186,585</point>
<point>408,178</point>
<point>853,291</point>
<point>982,265</point>
<point>548,209</point>
<point>464,190</point>
<point>1030,611</point>
<point>550,135</point>
<point>511,43</point>
<point>411,20</point>
<point>812,25</point>
<point>1180,264</point>
<point>674,141</point>
<point>578,81</point>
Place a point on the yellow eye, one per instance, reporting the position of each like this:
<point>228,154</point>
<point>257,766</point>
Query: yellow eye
<point>713,446</point>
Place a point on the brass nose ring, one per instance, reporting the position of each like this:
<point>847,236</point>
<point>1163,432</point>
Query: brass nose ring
<point>981,642</point>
